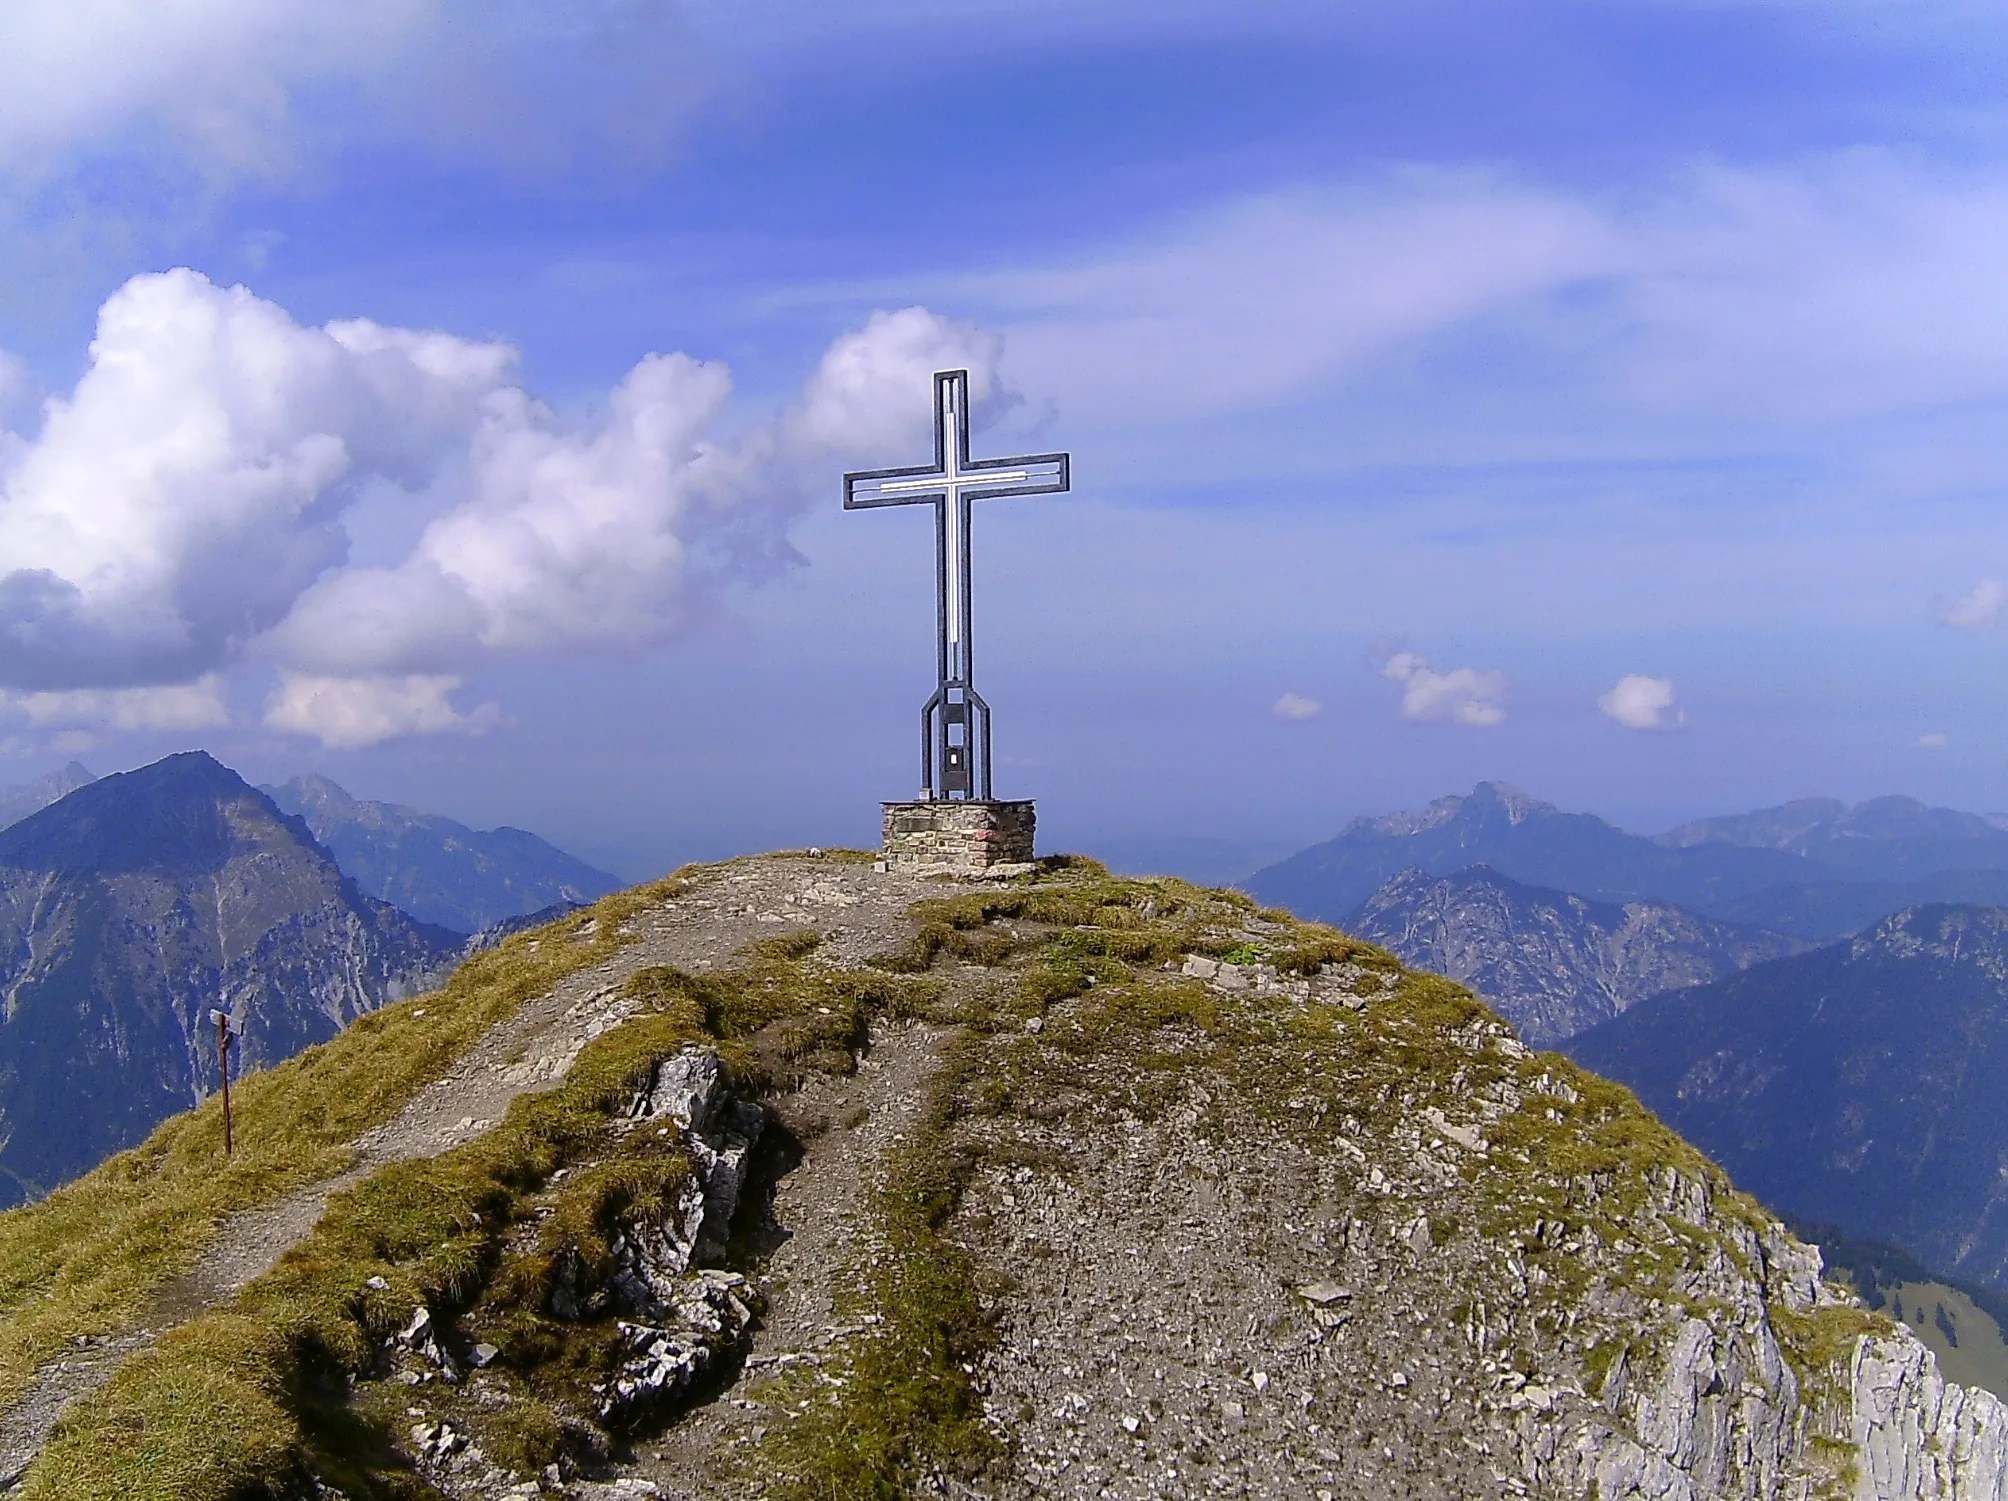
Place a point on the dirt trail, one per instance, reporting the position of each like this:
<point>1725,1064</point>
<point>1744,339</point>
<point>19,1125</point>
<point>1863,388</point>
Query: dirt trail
<point>858,910</point>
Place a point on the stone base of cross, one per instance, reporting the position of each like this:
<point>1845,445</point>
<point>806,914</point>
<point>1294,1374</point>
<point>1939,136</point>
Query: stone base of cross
<point>967,837</point>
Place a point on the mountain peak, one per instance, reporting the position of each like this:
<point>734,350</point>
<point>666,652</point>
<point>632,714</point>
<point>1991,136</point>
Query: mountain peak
<point>1517,805</point>
<point>130,908</point>
<point>436,869</point>
<point>1483,800</point>
<point>314,788</point>
<point>187,810</point>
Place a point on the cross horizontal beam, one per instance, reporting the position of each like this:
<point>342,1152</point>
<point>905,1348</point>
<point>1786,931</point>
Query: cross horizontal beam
<point>981,479</point>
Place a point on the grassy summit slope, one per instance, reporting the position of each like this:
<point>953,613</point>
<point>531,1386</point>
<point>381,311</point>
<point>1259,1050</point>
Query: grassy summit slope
<point>1188,1186</point>
<point>86,1261</point>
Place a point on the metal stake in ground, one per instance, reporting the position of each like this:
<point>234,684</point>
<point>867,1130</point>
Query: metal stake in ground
<point>227,1027</point>
<point>955,723</point>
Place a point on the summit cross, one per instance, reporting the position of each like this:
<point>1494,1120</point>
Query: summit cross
<point>955,722</point>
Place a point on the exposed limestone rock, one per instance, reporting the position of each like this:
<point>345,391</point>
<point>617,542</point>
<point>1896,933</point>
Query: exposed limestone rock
<point>694,1090</point>
<point>1918,1435</point>
<point>709,1316</point>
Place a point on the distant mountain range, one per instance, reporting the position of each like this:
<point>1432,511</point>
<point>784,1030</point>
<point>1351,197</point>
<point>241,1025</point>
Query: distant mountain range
<point>1859,1084</point>
<point>1885,838</point>
<point>131,907</point>
<point>1551,962</point>
<point>437,870</point>
<point>16,803</point>
<point>1813,869</point>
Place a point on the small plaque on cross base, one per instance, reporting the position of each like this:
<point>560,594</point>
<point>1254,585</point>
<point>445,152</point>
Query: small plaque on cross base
<point>956,826</point>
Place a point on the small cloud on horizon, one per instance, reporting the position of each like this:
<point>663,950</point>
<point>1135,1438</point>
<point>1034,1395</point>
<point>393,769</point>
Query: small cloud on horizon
<point>1644,703</point>
<point>1463,695</point>
<point>1979,609</point>
<point>1937,740</point>
<point>1295,706</point>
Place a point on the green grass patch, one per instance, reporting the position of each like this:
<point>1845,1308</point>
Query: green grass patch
<point>449,1232</point>
<point>88,1259</point>
<point>274,1365</point>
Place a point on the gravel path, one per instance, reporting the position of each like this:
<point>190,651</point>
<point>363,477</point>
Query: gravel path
<point>858,910</point>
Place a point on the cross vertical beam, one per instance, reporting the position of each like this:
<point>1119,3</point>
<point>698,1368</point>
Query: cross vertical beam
<point>955,758</point>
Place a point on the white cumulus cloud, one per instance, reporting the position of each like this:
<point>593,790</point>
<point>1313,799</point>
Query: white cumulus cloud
<point>1978,609</point>
<point>1936,740</point>
<point>1296,706</point>
<point>1464,695</point>
<point>1642,703</point>
<point>176,706</point>
<point>186,506</point>
<point>873,393</point>
<point>343,713</point>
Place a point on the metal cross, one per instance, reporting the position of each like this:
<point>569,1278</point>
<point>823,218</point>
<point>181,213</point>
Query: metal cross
<point>955,723</point>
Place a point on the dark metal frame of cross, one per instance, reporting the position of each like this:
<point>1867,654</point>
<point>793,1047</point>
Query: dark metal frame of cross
<point>955,722</point>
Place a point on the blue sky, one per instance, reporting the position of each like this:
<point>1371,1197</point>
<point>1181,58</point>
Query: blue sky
<point>1430,371</point>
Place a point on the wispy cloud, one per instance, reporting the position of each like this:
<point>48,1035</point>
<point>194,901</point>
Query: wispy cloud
<point>1978,609</point>
<point>210,90</point>
<point>1829,288</point>
<point>1295,706</point>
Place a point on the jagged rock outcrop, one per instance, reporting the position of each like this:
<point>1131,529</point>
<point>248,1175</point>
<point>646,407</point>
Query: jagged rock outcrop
<point>1551,962</point>
<point>687,1317</point>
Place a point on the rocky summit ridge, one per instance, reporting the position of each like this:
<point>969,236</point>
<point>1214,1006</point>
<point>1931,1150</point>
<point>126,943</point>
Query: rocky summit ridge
<point>789,1177</point>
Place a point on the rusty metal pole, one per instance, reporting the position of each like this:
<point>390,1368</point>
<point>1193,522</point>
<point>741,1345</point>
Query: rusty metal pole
<point>223,1065</point>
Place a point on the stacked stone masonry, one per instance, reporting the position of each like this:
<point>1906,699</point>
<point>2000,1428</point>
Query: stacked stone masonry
<point>959,838</point>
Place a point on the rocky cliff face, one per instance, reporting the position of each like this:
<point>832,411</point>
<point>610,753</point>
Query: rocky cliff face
<point>1550,962</point>
<point>1856,1085</point>
<point>130,909</point>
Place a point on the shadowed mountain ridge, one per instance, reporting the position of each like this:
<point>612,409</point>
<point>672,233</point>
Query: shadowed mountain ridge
<point>1857,1085</point>
<point>438,870</point>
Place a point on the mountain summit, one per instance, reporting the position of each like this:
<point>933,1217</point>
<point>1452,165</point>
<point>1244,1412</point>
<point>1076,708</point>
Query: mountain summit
<point>128,910</point>
<point>791,1178</point>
